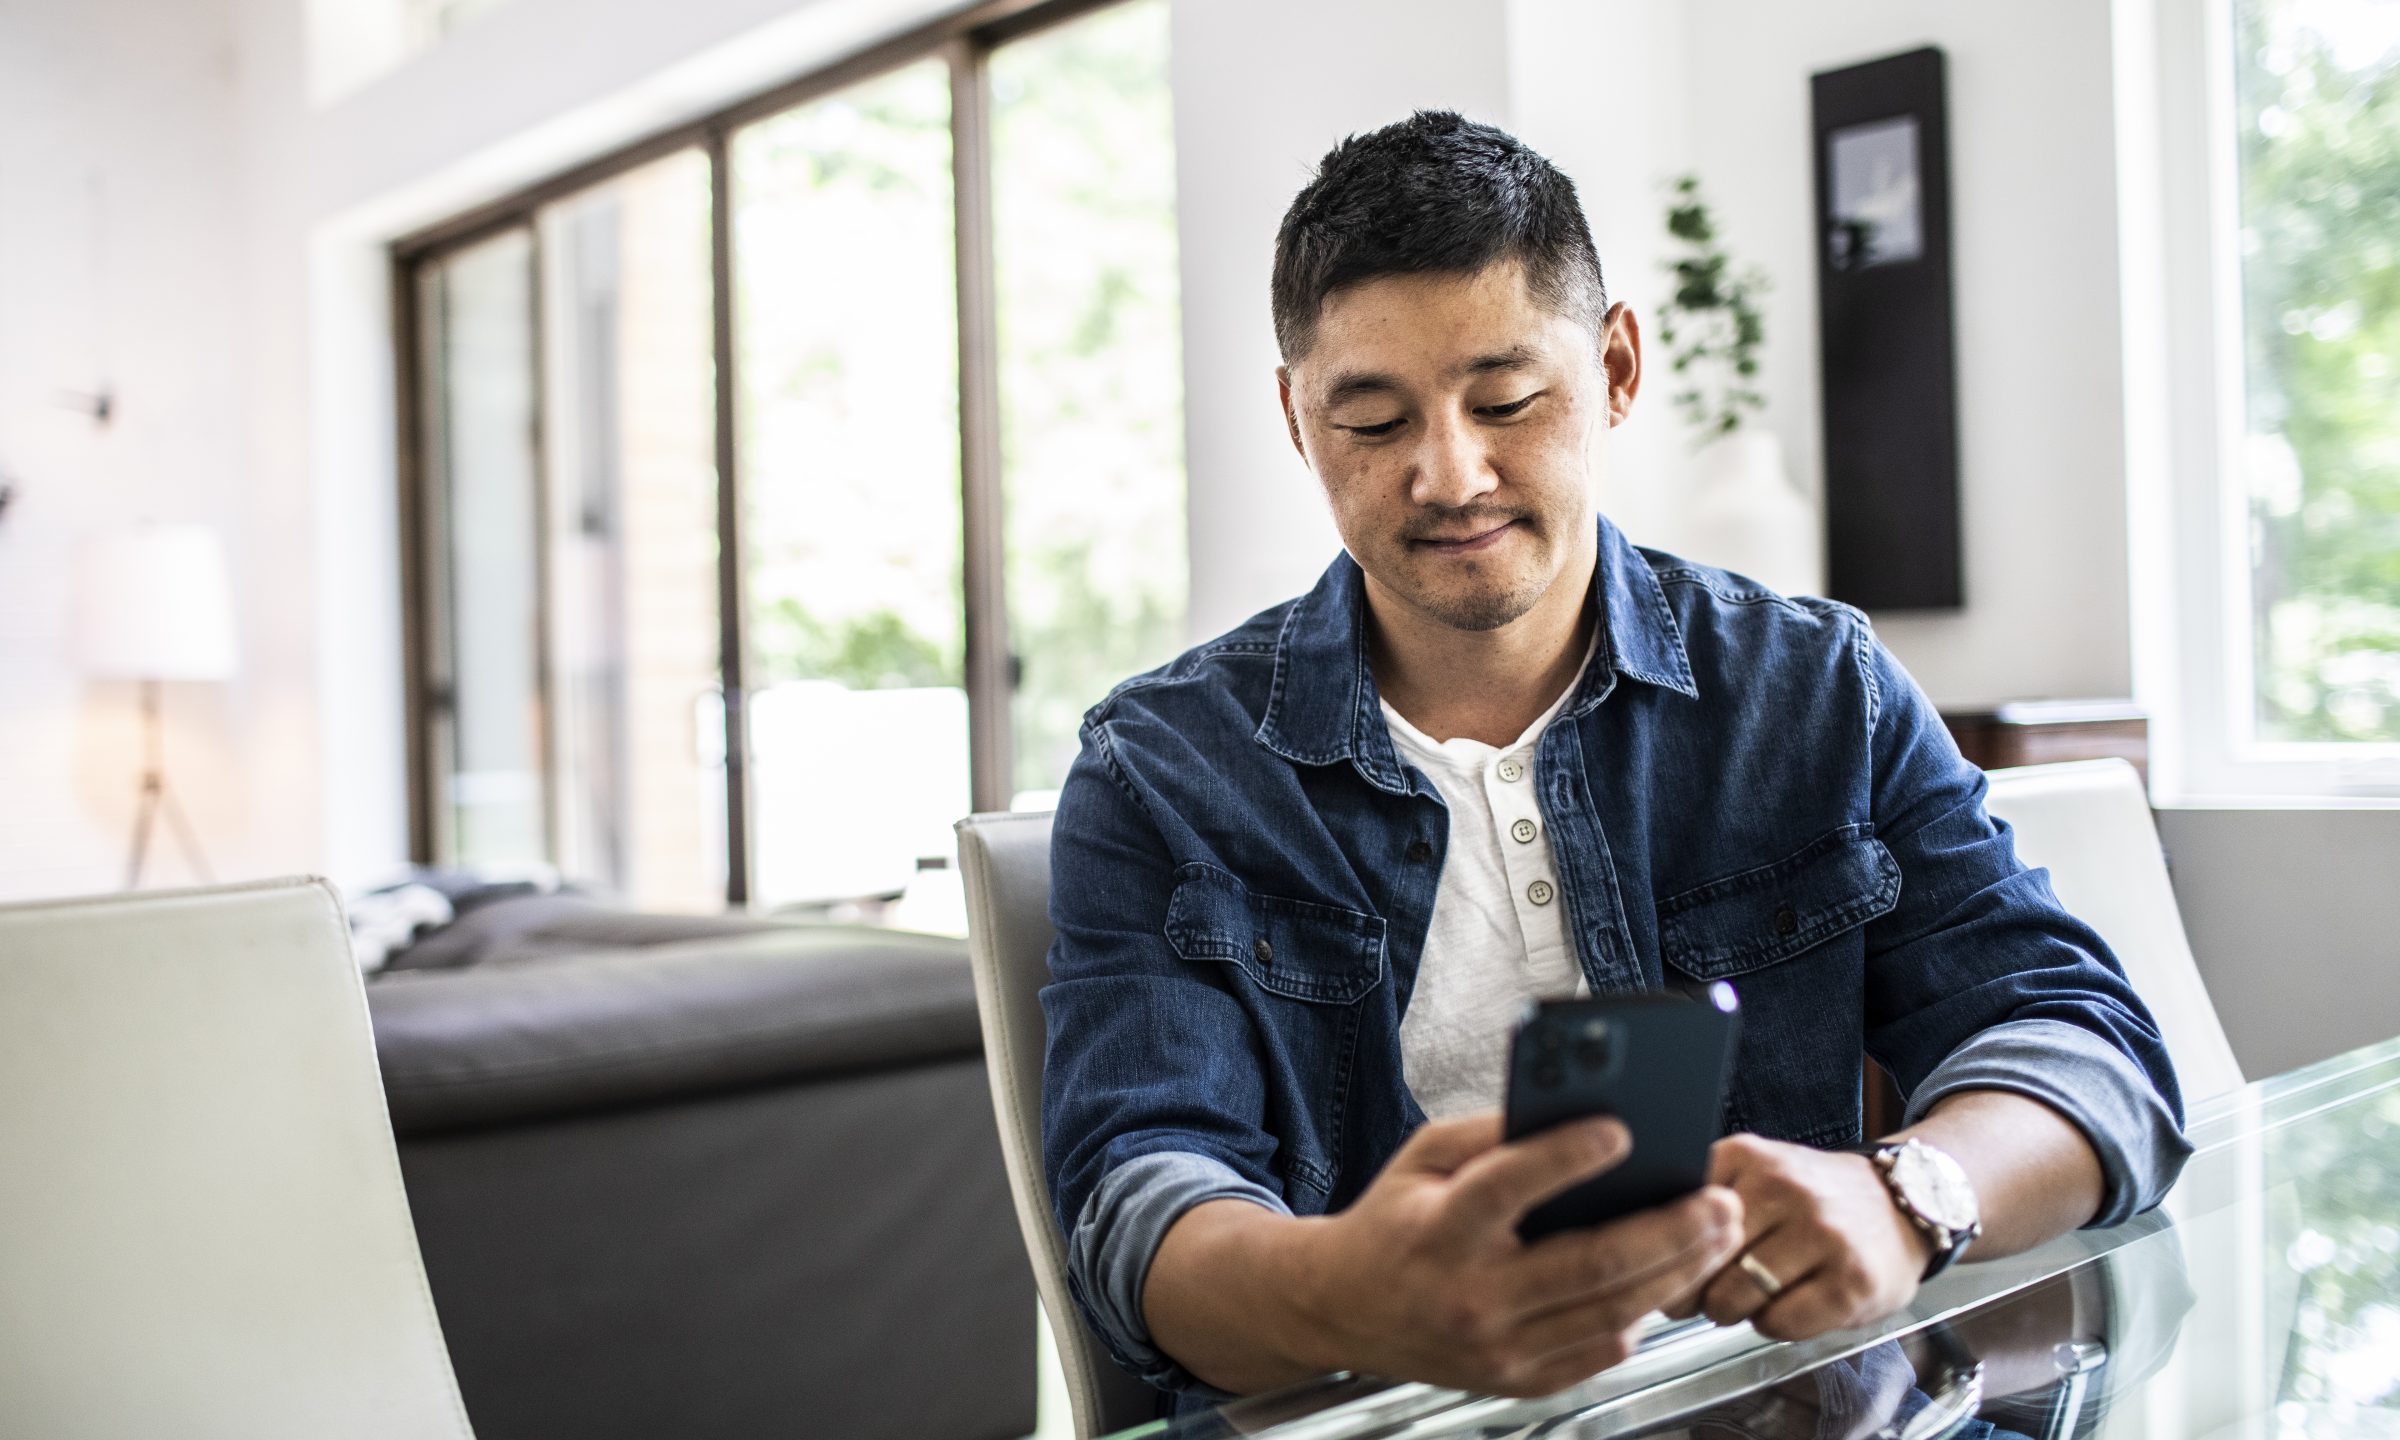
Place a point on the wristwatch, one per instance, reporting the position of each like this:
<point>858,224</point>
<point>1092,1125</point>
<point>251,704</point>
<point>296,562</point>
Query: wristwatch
<point>1932,1190</point>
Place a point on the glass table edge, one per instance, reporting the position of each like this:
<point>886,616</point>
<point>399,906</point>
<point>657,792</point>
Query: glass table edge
<point>2214,1124</point>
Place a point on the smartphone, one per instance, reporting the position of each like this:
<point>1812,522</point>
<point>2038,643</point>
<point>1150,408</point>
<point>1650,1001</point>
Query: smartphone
<point>1659,1063</point>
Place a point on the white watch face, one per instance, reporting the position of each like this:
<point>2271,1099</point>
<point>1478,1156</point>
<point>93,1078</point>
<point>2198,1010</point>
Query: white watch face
<point>1935,1186</point>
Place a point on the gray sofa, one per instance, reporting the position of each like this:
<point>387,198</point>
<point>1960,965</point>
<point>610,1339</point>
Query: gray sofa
<point>706,1176</point>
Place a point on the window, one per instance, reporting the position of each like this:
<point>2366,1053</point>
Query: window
<point>2259,153</point>
<point>1091,378</point>
<point>483,641</point>
<point>787,486</point>
<point>630,547</point>
<point>847,319</point>
<point>2317,86</point>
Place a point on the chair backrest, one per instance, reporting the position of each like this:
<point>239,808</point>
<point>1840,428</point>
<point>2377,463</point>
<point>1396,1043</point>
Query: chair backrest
<point>1005,861</point>
<point>202,1228</point>
<point>2089,822</point>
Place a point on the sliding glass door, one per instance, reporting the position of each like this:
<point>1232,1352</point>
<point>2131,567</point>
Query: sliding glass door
<point>1090,372</point>
<point>638,767</point>
<point>487,726</point>
<point>838,436</point>
<point>846,319</point>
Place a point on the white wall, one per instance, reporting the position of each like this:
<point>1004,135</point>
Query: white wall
<point>1599,87</point>
<point>125,260</point>
<point>2033,211</point>
<point>2292,916</point>
<point>1263,88</point>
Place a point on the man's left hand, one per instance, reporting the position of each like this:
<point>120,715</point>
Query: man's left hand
<point>1825,1227</point>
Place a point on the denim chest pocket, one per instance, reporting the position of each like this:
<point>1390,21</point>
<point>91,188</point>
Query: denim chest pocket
<point>1754,918</point>
<point>1298,949</point>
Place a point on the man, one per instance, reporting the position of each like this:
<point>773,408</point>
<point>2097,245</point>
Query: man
<point>1304,877</point>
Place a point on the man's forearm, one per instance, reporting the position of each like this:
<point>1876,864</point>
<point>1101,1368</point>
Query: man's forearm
<point>1424,1276</point>
<point>2035,1175</point>
<point>1220,1296</point>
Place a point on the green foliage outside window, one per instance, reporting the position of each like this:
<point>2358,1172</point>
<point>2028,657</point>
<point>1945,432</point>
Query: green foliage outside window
<point>851,410</point>
<point>875,651</point>
<point>846,314</point>
<point>1091,376</point>
<point>2319,102</point>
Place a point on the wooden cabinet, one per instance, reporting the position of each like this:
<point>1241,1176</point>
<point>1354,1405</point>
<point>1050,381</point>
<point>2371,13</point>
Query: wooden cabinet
<point>2040,732</point>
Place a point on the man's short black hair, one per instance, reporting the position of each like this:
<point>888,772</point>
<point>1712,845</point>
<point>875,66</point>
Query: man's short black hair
<point>1433,193</point>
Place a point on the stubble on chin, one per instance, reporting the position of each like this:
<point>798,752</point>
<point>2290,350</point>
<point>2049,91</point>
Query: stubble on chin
<point>1478,602</point>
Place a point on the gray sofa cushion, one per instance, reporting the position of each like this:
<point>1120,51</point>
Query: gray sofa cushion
<point>558,1022</point>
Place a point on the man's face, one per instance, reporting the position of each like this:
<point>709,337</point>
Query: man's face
<point>1459,427</point>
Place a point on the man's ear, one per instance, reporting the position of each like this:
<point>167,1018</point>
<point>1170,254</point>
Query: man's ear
<point>1291,417</point>
<point>1621,359</point>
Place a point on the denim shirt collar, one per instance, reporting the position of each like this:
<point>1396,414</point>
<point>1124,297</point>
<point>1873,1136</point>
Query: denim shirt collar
<point>1323,707</point>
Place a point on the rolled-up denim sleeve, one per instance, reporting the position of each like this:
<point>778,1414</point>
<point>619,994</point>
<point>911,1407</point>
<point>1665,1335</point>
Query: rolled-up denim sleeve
<point>2097,1087</point>
<point>1154,1093</point>
<point>1117,1236</point>
<point>1979,978</point>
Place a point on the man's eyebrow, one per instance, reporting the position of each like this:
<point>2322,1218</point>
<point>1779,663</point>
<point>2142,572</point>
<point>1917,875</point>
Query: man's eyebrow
<point>1351,384</point>
<point>1515,357</point>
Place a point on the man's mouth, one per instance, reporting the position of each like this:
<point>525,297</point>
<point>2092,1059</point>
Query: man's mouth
<point>1466,542</point>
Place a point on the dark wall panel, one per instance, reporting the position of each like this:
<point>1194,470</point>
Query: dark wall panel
<point>1885,330</point>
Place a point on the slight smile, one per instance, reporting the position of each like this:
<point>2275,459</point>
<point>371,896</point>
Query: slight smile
<point>1469,544</point>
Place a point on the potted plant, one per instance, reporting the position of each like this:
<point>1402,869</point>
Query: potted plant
<point>1745,514</point>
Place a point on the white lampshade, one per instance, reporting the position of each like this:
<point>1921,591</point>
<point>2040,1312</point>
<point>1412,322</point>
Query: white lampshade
<point>155,603</point>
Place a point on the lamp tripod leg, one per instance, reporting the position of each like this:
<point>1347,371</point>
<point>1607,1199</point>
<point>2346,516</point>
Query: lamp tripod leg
<point>155,798</point>
<point>184,834</point>
<point>143,819</point>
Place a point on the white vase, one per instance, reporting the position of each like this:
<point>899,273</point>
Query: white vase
<point>1747,516</point>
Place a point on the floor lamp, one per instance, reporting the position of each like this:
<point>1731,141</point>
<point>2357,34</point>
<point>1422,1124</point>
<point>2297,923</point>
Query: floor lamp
<point>156,604</point>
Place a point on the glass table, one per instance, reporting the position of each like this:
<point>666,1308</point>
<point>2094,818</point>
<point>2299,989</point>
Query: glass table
<point>2262,1300</point>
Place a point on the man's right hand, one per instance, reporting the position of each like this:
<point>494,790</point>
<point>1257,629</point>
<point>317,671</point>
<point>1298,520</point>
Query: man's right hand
<point>1424,1277</point>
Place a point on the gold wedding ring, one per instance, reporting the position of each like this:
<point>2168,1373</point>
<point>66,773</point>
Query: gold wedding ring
<point>1760,1275</point>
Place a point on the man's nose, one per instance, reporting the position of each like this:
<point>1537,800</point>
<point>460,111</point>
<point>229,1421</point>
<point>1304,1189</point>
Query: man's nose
<point>1452,468</point>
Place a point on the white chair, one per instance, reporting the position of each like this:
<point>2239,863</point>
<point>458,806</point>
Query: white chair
<point>2089,822</point>
<point>1005,861</point>
<point>202,1229</point>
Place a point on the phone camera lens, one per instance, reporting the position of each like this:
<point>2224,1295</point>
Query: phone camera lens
<point>1548,1040</point>
<point>1549,1074</point>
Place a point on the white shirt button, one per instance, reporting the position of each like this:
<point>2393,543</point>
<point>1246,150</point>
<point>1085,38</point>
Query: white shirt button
<point>1539,892</point>
<point>1512,769</point>
<point>1523,832</point>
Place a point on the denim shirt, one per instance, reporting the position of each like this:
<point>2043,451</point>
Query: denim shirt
<point>1741,787</point>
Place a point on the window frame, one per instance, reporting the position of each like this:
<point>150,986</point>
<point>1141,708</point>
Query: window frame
<point>2185,406</point>
<point>965,41</point>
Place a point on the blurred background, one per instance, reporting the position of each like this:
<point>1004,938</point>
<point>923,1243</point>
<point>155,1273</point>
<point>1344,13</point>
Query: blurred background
<point>573,394</point>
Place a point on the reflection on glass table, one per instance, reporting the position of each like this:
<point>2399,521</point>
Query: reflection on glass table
<point>2263,1300</point>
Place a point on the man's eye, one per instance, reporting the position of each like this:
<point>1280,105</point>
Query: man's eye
<point>1502,412</point>
<point>1371,431</point>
